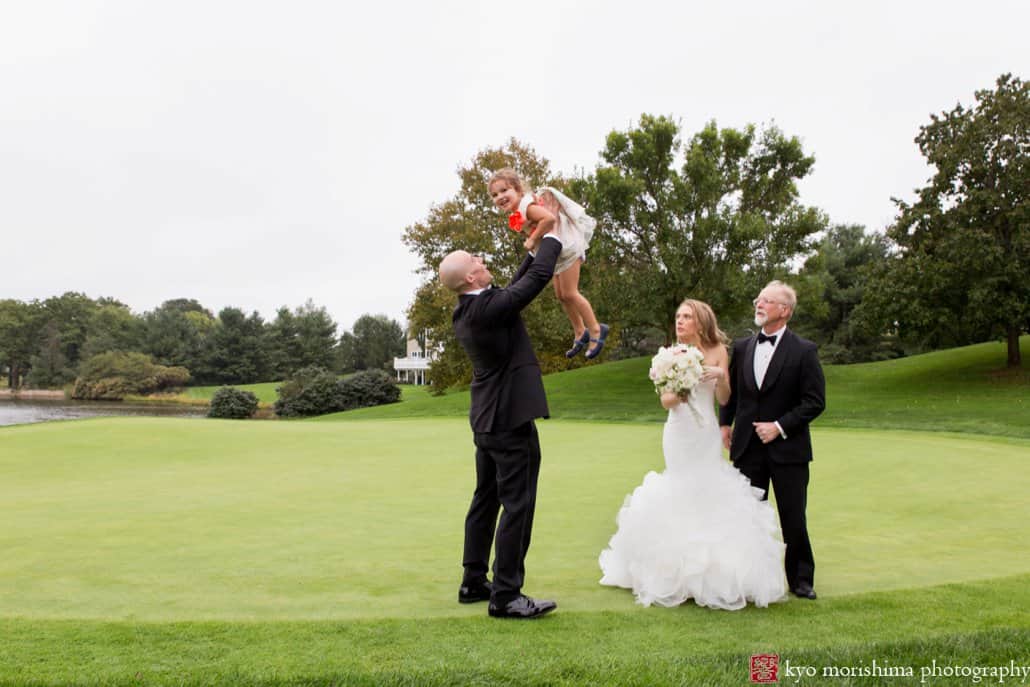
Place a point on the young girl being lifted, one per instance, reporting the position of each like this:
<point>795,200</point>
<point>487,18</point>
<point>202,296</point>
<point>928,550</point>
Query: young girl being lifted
<point>575,228</point>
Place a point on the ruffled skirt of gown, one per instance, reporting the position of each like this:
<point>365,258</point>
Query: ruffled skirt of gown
<point>697,531</point>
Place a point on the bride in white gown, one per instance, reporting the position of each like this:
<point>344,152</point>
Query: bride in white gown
<point>698,530</point>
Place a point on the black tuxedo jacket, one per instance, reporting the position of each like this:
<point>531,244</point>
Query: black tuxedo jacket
<point>507,389</point>
<point>793,393</point>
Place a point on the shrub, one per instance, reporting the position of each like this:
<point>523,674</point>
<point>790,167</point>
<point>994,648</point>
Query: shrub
<point>311,391</point>
<point>171,377</point>
<point>115,374</point>
<point>368,388</point>
<point>316,391</point>
<point>234,404</point>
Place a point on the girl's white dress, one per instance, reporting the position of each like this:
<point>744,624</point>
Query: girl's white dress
<point>575,227</point>
<point>699,530</point>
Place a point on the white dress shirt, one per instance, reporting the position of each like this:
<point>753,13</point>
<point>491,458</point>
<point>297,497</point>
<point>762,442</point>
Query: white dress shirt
<point>764,353</point>
<point>763,356</point>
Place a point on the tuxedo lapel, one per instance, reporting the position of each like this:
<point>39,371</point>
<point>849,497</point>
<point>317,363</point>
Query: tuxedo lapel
<point>776,364</point>
<point>749,364</point>
<point>461,309</point>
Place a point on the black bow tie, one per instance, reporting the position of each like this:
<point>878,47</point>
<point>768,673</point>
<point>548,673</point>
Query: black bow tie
<point>762,338</point>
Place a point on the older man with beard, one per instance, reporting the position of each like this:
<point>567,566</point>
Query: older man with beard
<point>777,389</point>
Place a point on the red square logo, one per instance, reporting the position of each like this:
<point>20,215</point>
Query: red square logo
<point>765,668</point>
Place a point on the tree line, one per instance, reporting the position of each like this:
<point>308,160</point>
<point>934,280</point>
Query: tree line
<point>718,215</point>
<point>45,343</point>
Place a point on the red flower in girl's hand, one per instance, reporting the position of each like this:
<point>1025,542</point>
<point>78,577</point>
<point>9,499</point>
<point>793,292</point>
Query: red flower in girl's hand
<point>515,221</point>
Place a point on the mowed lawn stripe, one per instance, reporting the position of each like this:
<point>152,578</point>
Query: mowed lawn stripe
<point>976,623</point>
<point>165,519</point>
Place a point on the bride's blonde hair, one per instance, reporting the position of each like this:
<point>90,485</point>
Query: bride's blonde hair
<point>547,199</point>
<point>707,324</point>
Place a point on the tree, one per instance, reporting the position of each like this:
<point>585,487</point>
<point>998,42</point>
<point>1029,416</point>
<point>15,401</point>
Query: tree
<point>185,305</point>
<point>372,344</point>
<point>301,338</point>
<point>175,333</point>
<point>961,252</point>
<point>831,285</point>
<point>45,342</point>
<point>71,314</point>
<point>470,222</point>
<point>112,327</point>
<point>283,344</point>
<point>715,227</point>
<point>316,336</point>
<point>49,365</point>
<point>237,349</point>
<point>20,327</point>
<point>60,326</point>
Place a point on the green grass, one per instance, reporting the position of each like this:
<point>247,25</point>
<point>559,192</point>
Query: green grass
<point>959,390</point>
<point>203,552</point>
<point>188,519</point>
<point>968,624</point>
<point>266,392</point>
<point>215,552</point>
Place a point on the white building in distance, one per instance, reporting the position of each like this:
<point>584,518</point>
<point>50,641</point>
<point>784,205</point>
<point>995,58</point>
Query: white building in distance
<point>411,369</point>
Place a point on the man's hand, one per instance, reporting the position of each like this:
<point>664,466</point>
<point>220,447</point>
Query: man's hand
<point>726,434</point>
<point>766,431</point>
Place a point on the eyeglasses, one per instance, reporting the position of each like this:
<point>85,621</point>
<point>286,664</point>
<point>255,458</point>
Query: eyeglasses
<point>767,301</point>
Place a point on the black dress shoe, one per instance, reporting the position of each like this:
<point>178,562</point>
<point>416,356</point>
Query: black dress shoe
<point>804,591</point>
<point>522,607</point>
<point>470,594</point>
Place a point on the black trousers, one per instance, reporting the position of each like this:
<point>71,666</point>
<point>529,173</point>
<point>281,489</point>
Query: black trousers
<point>790,482</point>
<point>507,468</point>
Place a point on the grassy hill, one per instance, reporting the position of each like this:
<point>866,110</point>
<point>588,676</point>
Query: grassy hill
<point>958,390</point>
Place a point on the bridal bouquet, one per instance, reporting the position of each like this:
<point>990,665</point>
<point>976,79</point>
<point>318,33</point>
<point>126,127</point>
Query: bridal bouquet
<point>678,368</point>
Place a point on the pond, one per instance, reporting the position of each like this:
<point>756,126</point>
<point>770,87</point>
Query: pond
<point>27,411</point>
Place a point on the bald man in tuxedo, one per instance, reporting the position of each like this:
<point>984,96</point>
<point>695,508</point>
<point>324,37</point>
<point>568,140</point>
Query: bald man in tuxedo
<point>507,396</point>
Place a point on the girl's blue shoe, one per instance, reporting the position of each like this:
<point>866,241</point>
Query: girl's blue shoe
<point>596,350</point>
<point>579,344</point>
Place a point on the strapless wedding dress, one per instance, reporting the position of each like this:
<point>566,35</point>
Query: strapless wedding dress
<point>698,530</point>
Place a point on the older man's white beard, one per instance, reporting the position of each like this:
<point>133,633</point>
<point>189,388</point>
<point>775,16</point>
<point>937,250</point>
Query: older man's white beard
<point>760,319</point>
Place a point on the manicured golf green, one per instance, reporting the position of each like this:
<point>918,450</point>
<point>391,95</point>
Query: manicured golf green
<point>972,624</point>
<point>203,552</point>
<point>155,519</point>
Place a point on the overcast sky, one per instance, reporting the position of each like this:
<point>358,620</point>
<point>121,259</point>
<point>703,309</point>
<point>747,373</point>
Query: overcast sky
<point>258,154</point>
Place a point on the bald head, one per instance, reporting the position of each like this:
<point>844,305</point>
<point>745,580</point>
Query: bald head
<point>460,272</point>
